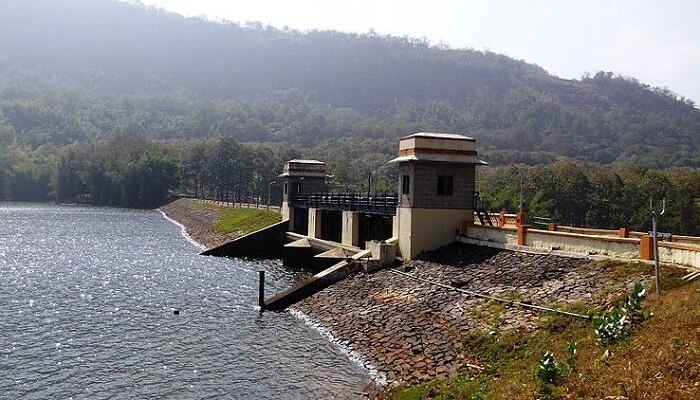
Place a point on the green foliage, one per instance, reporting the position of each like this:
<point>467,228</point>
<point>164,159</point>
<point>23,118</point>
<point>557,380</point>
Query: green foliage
<point>413,393</point>
<point>550,373</point>
<point>571,351</point>
<point>457,388</point>
<point>616,325</point>
<point>254,83</point>
<point>549,370</point>
<point>225,135</point>
<point>595,196</point>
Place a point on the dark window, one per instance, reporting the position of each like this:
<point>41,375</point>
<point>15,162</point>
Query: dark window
<point>405,184</point>
<point>285,189</point>
<point>444,186</point>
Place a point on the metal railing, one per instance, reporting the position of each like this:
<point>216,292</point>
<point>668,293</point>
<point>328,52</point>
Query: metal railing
<point>377,203</point>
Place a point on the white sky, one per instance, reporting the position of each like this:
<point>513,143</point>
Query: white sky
<point>656,41</point>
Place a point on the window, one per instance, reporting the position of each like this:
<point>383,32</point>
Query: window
<point>405,184</point>
<point>444,185</point>
<point>285,188</point>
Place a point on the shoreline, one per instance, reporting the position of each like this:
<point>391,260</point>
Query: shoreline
<point>183,230</point>
<point>410,332</point>
<point>377,378</point>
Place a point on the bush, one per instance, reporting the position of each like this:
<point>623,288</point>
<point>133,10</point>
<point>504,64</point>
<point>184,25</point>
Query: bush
<point>550,373</point>
<point>550,370</point>
<point>572,354</point>
<point>616,325</point>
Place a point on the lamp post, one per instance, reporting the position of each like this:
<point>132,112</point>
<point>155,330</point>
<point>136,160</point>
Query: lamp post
<point>269,192</point>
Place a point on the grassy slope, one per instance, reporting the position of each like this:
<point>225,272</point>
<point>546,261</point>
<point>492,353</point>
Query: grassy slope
<point>660,361</point>
<point>243,221</point>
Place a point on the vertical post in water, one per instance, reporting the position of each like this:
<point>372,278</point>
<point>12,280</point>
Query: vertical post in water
<point>261,291</point>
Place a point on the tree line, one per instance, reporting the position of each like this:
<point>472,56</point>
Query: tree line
<point>596,196</point>
<point>128,172</point>
<point>133,173</point>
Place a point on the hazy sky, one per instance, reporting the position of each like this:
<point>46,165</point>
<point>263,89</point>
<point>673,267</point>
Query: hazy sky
<point>657,42</point>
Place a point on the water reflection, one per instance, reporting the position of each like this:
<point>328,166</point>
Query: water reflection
<point>87,298</point>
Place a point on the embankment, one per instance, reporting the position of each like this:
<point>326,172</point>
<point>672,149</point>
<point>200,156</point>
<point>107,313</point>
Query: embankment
<point>411,330</point>
<point>213,225</point>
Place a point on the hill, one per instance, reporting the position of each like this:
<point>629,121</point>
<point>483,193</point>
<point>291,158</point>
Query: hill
<point>77,70</point>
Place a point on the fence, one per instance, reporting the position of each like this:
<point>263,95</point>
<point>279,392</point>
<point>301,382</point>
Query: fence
<point>239,204</point>
<point>378,203</point>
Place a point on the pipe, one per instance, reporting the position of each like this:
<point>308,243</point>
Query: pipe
<point>485,296</point>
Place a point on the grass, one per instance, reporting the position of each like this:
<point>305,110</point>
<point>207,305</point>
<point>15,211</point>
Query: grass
<point>243,221</point>
<point>661,360</point>
<point>461,387</point>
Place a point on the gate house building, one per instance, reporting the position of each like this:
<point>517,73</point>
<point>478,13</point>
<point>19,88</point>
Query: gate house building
<point>436,189</point>
<point>436,186</point>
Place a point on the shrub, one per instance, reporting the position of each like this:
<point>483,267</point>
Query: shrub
<point>550,370</point>
<point>550,373</point>
<point>616,324</point>
<point>571,354</point>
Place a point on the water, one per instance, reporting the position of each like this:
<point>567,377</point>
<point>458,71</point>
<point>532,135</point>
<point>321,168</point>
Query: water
<point>86,311</point>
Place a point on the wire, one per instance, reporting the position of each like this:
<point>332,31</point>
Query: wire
<point>486,296</point>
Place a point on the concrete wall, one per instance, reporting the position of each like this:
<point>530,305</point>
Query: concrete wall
<point>287,213</point>
<point>679,253</point>
<point>493,234</point>
<point>576,243</point>
<point>315,220</point>
<point>351,228</point>
<point>424,229</point>
<point>585,244</point>
<point>265,243</point>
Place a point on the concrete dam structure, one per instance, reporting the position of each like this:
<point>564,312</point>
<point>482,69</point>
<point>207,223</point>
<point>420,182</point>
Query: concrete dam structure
<point>338,233</point>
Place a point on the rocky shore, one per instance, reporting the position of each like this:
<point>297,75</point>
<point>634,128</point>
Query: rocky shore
<point>199,220</point>
<point>411,330</point>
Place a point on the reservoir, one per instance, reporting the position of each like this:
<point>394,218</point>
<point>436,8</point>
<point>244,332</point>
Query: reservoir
<point>87,311</point>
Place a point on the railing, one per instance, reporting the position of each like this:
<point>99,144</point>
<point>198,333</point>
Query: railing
<point>376,203</point>
<point>497,219</point>
<point>250,204</point>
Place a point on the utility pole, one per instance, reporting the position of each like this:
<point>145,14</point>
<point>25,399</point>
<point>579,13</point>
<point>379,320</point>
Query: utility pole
<point>520,207</point>
<point>269,190</point>
<point>656,240</point>
<point>369,183</point>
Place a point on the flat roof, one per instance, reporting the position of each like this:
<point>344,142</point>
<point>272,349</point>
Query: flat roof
<point>300,161</point>
<point>432,135</point>
<point>452,159</point>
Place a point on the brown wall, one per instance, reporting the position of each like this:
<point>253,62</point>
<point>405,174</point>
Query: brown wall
<point>424,179</point>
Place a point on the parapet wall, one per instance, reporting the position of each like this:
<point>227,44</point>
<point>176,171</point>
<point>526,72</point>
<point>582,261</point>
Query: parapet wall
<point>584,244</point>
<point>618,243</point>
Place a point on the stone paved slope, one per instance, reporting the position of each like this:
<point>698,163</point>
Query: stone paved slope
<point>411,330</point>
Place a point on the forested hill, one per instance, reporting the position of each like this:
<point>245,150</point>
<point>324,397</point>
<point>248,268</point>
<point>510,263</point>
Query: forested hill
<point>77,70</point>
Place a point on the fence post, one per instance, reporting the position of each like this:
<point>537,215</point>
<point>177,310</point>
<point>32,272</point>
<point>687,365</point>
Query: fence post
<point>646,248</point>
